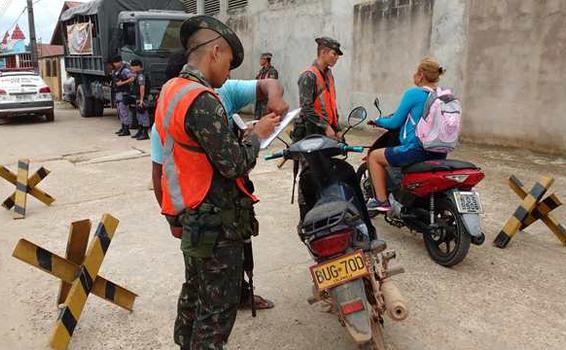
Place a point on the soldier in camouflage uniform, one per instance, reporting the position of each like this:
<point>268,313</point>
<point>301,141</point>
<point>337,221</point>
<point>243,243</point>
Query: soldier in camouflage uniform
<point>310,121</point>
<point>213,232</point>
<point>267,71</point>
<point>313,119</point>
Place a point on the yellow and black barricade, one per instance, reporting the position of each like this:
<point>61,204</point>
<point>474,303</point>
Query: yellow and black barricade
<point>24,185</point>
<point>78,273</point>
<point>533,207</point>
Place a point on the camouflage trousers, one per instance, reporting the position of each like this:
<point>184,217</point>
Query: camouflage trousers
<point>209,299</point>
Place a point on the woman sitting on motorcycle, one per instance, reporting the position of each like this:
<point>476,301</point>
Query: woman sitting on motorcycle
<point>406,117</point>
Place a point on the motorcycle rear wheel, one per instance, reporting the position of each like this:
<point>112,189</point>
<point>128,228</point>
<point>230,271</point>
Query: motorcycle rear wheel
<point>376,342</point>
<point>453,235</point>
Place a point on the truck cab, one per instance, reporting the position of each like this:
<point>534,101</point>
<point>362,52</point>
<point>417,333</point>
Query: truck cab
<point>150,36</point>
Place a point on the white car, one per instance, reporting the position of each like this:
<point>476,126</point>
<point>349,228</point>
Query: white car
<point>25,93</point>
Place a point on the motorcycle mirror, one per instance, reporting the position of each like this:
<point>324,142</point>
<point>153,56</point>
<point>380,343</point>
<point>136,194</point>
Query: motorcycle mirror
<point>357,116</point>
<point>377,103</point>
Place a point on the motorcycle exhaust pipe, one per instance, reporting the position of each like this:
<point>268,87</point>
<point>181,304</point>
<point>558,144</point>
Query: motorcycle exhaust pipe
<point>394,302</point>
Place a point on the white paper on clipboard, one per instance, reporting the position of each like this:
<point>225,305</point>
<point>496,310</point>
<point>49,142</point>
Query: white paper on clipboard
<point>282,125</point>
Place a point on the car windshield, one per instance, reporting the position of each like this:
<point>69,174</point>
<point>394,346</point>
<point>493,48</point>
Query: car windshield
<point>159,34</point>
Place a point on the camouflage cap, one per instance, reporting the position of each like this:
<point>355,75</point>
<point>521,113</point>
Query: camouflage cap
<point>329,43</point>
<point>266,55</point>
<point>193,24</point>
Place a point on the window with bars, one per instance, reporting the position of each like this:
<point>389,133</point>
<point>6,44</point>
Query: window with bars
<point>237,4</point>
<point>190,6</point>
<point>211,7</point>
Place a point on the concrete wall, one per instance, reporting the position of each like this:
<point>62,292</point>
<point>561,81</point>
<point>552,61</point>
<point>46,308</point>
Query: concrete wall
<point>287,28</point>
<point>504,58</point>
<point>515,71</point>
<point>389,36</point>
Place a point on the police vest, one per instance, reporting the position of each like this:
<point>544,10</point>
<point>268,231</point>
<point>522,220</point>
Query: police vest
<point>119,75</point>
<point>325,98</point>
<point>187,171</point>
<point>136,86</point>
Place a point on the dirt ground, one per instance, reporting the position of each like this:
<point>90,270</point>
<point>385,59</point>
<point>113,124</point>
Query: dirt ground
<point>494,299</point>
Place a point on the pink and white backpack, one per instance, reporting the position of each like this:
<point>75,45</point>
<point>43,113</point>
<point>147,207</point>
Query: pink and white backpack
<point>439,127</point>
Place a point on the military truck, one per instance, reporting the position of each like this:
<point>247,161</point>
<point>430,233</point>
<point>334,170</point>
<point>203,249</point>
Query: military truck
<point>93,33</point>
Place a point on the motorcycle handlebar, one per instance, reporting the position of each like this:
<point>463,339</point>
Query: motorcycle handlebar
<point>275,155</point>
<point>343,148</point>
<point>356,149</point>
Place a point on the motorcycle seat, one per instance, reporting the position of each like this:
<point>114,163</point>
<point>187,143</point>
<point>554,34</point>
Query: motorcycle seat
<point>438,165</point>
<point>327,214</point>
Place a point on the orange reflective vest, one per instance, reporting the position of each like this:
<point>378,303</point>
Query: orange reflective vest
<point>325,101</point>
<point>187,171</point>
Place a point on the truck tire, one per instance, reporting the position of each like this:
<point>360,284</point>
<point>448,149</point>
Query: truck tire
<point>84,103</point>
<point>98,107</point>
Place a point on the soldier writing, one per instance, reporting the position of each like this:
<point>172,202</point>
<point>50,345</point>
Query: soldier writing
<point>202,183</point>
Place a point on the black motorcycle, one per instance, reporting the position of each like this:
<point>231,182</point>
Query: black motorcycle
<point>352,271</point>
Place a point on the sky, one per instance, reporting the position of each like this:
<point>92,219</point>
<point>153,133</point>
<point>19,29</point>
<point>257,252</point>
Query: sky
<point>46,13</point>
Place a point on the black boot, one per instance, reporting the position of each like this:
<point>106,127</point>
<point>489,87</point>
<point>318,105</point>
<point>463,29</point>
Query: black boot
<point>138,134</point>
<point>125,132</point>
<point>144,135</point>
<point>120,131</point>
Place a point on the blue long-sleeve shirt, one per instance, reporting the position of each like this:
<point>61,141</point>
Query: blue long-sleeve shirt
<point>413,102</point>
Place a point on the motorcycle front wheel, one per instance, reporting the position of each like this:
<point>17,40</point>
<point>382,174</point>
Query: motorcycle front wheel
<point>449,243</point>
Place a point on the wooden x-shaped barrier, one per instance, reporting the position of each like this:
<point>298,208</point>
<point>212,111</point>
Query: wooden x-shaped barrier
<point>24,185</point>
<point>532,208</point>
<point>78,273</point>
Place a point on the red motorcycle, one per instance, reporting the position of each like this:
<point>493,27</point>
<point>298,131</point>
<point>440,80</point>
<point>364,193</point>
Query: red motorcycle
<point>435,198</point>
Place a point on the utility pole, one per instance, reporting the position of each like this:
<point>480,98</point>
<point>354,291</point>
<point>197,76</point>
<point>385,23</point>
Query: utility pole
<point>32,40</point>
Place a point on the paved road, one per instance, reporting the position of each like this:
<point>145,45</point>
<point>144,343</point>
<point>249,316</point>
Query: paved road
<point>495,299</point>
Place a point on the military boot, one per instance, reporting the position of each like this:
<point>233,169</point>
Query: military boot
<point>143,135</point>
<point>125,132</point>
<point>120,130</point>
<point>138,134</point>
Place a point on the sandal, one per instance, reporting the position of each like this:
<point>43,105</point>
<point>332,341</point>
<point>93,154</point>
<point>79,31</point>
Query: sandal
<point>260,303</point>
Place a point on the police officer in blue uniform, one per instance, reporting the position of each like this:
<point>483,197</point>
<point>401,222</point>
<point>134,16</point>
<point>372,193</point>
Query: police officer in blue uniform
<point>122,78</point>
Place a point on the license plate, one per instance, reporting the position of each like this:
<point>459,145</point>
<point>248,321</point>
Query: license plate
<point>23,97</point>
<point>338,271</point>
<point>468,202</point>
